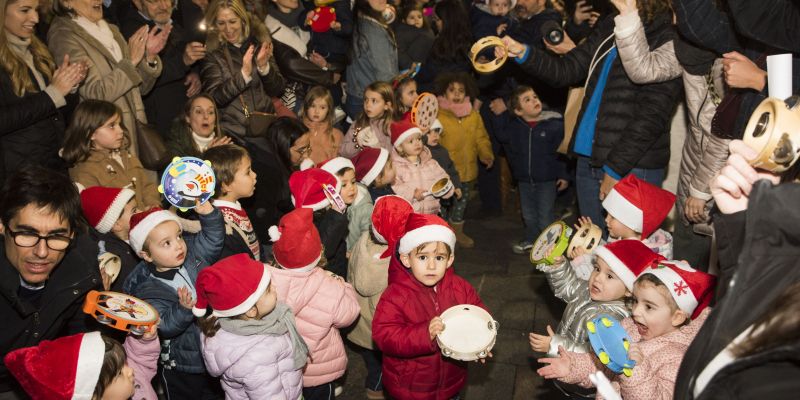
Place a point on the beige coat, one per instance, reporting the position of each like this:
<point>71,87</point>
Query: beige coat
<point>102,170</point>
<point>369,275</point>
<point>121,83</point>
<point>703,153</point>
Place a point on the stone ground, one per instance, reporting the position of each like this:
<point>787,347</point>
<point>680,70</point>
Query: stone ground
<point>519,299</point>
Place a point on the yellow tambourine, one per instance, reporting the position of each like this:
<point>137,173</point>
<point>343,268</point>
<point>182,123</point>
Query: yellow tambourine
<point>774,131</point>
<point>485,43</point>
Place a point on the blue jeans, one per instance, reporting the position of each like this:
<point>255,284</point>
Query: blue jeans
<point>537,203</point>
<point>588,180</point>
<point>353,106</point>
<point>374,364</point>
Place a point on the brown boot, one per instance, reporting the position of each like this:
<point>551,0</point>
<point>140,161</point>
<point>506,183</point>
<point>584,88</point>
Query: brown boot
<point>461,238</point>
<point>375,394</point>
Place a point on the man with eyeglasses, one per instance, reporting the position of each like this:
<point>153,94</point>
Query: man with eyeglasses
<point>46,266</point>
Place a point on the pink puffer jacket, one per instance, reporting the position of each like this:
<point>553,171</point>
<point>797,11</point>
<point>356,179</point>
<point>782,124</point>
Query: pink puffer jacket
<point>412,176</point>
<point>321,303</point>
<point>142,357</point>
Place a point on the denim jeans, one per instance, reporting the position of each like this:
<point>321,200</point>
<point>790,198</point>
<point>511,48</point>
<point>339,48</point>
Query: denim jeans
<point>373,361</point>
<point>537,202</point>
<point>588,180</point>
<point>353,106</point>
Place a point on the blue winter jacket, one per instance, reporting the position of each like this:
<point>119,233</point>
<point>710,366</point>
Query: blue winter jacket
<point>531,152</point>
<point>180,336</point>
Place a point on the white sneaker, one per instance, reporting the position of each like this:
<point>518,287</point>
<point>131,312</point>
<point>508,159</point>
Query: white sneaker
<point>337,390</point>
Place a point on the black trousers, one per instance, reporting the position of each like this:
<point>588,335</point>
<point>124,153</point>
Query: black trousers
<point>185,386</point>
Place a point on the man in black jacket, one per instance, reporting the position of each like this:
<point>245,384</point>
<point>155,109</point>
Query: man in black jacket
<point>46,263</point>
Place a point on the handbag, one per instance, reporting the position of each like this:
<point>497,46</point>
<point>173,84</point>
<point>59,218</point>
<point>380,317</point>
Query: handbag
<point>571,111</point>
<point>257,121</point>
<point>152,152</point>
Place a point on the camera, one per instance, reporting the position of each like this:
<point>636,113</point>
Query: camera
<point>552,32</point>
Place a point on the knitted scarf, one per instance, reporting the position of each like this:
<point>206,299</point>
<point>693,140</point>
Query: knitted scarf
<point>460,110</point>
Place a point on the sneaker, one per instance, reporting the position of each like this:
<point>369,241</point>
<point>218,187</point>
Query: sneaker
<point>522,247</point>
<point>337,390</point>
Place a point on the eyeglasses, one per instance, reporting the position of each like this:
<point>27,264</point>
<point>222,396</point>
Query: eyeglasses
<point>303,150</point>
<point>30,239</point>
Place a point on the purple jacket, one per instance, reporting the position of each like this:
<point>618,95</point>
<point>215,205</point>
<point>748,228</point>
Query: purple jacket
<point>253,367</point>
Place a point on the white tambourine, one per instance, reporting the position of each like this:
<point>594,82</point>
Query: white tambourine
<point>774,132</point>
<point>588,237</point>
<point>440,188</point>
<point>469,333</point>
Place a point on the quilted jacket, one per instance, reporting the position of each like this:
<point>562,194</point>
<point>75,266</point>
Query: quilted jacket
<point>423,175</point>
<point>143,359</point>
<point>369,274</point>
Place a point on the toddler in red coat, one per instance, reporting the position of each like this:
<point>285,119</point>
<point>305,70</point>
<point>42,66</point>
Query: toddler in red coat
<point>422,285</point>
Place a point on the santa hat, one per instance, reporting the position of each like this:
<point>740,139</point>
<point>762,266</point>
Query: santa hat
<point>336,164</point>
<point>437,125</point>
<point>402,130</point>
<point>102,206</point>
<point>307,188</point>
<point>231,286</point>
<point>369,163</point>
<point>627,258</point>
<point>144,222</point>
<point>389,217</point>
<point>691,289</point>
<point>65,368</point>
<point>425,228</point>
<point>297,243</point>
<point>639,205</point>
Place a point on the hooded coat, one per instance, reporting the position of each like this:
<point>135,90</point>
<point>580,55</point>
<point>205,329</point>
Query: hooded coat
<point>422,175</point>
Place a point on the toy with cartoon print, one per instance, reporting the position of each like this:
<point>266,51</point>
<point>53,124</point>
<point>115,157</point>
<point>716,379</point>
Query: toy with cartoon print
<point>469,333</point>
<point>611,343</point>
<point>485,67</point>
<point>424,111</point>
<point>187,182</point>
<point>551,243</point>
<point>120,311</point>
<point>774,132</point>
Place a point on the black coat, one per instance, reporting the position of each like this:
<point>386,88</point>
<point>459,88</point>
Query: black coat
<point>413,44</point>
<point>168,96</point>
<point>633,122</point>
<point>31,130</point>
<point>759,258</point>
<point>272,198</point>
<point>332,226</point>
<point>23,324</point>
<point>116,246</point>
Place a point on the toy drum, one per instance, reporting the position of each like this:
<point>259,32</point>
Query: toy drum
<point>186,180</point>
<point>469,333</point>
<point>551,243</point>
<point>424,110</point>
<point>441,187</point>
<point>774,132</point>
<point>588,237</point>
<point>611,343</point>
<point>485,43</point>
<point>120,311</point>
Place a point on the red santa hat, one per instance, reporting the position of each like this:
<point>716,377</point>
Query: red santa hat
<point>231,286</point>
<point>307,188</point>
<point>639,205</point>
<point>336,164</point>
<point>402,130</point>
<point>65,368</point>
<point>144,222</point>
<point>369,163</point>
<point>425,228</point>
<point>102,206</point>
<point>389,217</point>
<point>628,258</point>
<point>297,244</point>
<point>691,289</point>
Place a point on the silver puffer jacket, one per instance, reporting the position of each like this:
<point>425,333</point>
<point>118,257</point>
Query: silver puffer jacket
<point>571,332</point>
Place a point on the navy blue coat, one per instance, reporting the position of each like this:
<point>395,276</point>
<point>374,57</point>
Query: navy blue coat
<point>531,152</point>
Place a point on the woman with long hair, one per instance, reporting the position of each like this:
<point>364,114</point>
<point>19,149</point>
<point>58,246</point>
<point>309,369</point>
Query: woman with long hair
<point>32,90</point>
<point>197,130</point>
<point>450,50</point>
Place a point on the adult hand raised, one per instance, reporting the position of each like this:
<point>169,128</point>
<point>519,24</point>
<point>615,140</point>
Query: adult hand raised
<point>156,40</point>
<point>68,75</point>
<point>625,6</point>
<point>247,62</point>
<point>513,47</point>
<point>741,72</point>
<point>264,53</point>
<point>137,45</point>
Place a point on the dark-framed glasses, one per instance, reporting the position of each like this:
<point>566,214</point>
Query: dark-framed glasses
<point>30,239</point>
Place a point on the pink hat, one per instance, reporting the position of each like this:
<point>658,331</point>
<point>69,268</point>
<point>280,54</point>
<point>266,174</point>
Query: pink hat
<point>297,243</point>
<point>231,286</point>
<point>691,289</point>
<point>144,222</point>
<point>639,205</point>
<point>64,368</point>
<point>402,130</point>
<point>627,258</point>
<point>389,217</point>
<point>425,228</point>
<point>369,163</point>
<point>336,164</point>
<point>102,206</point>
<point>307,188</point>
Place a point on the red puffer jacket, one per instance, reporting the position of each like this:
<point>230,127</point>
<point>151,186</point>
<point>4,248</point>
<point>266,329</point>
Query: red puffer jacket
<point>413,365</point>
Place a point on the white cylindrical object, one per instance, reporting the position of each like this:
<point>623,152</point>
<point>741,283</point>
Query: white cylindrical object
<point>779,76</point>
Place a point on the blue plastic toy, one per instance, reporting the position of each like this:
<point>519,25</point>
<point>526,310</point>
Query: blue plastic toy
<point>611,343</point>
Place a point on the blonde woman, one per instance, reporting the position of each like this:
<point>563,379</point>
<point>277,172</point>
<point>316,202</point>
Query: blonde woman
<point>32,90</point>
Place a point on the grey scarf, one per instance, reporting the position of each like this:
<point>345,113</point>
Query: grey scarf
<point>276,323</point>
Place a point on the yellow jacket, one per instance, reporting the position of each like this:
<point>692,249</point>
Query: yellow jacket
<point>466,140</point>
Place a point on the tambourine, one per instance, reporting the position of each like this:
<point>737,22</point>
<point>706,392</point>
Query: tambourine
<point>334,198</point>
<point>409,73</point>
<point>321,19</point>
<point>551,243</point>
<point>588,237</point>
<point>469,333</point>
<point>611,343</point>
<point>186,180</point>
<point>774,132</point>
<point>388,14</point>
<point>120,311</point>
<point>485,43</point>
<point>440,187</point>
<point>424,110</point>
